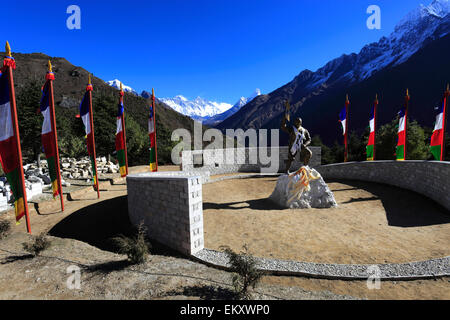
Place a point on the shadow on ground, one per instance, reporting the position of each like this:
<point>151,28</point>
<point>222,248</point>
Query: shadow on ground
<point>15,258</point>
<point>205,293</point>
<point>98,223</point>
<point>258,204</point>
<point>404,208</point>
<point>108,267</point>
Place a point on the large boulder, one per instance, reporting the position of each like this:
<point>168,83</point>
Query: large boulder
<point>303,190</point>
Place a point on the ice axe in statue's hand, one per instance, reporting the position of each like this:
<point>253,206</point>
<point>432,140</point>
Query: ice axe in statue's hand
<point>288,107</point>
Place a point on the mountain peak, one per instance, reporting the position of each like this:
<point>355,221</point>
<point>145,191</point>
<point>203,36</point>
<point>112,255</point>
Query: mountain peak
<point>180,97</point>
<point>198,108</point>
<point>438,8</point>
<point>256,93</point>
<point>116,84</point>
<point>416,37</point>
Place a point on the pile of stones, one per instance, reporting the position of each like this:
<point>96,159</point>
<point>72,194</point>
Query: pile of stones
<point>37,177</point>
<point>72,168</point>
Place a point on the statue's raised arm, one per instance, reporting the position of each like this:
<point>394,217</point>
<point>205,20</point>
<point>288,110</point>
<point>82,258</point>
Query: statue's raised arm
<point>286,117</point>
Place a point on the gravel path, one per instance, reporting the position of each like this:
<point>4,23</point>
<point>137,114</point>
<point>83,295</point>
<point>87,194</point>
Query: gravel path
<point>404,271</point>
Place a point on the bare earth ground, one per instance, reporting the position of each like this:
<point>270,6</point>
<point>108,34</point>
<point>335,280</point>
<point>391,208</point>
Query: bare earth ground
<point>80,236</point>
<point>373,224</point>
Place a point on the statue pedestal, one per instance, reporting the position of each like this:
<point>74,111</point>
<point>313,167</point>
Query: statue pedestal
<point>303,190</point>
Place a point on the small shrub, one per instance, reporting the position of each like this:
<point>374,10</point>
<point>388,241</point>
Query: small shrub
<point>135,248</point>
<point>39,244</point>
<point>5,226</point>
<point>246,274</point>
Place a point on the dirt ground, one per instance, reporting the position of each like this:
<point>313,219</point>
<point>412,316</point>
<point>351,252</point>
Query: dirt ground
<point>105,275</point>
<point>373,224</point>
<point>81,236</point>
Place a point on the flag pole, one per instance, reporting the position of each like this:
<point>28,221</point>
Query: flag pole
<point>9,67</point>
<point>375,127</point>
<point>347,103</point>
<point>444,125</point>
<point>407,98</point>
<point>154,126</point>
<point>123,128</point>
<point>50,77</point>
<point>91,120</point>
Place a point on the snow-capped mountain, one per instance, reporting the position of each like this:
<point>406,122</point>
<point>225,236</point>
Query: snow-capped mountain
<point>198,109</point>
<point>411,33</point>
<point>243,101</point>
<point>237,106</point>
<point>413,56</point>
<point>116,84</point>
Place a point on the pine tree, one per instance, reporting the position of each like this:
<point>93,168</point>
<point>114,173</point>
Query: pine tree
<point>30,120</point>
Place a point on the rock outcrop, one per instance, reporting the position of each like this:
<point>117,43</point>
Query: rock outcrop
<point>303,190</point>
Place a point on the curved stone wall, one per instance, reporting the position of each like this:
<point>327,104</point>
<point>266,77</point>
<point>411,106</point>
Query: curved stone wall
<point>242,160</point>
<point>429,178</point>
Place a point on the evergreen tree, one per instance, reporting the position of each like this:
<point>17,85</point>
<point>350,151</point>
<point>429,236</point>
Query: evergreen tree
<point>105,115</point>
<point>387,137</point>
<point>338,151</point>
<point>327,155</point>
<point>357,146</point>
<point>417,146</point>
<point>30,119</point>
<point>138,142</point>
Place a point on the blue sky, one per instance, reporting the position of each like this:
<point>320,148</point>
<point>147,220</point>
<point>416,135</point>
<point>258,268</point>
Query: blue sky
<point>219,50</point>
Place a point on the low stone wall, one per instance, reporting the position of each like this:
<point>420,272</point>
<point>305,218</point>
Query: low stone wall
<point>170,205</point>
<point>429,178</point>
<point>221,161</point>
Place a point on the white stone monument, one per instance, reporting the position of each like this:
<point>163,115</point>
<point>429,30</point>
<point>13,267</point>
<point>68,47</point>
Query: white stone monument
<point>303,189</point>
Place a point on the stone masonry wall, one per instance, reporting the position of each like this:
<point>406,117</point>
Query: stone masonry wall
<point>429,178</point>
<point>221,161</point>
<point>170,205</point>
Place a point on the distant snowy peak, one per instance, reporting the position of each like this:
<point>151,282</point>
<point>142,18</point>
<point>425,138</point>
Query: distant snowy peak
<point>197,108</point>
<point>438,8</point>
<point>409,36</point>
<point>212,121</point>
<point>254,95</point>
<point>243,101</point>
<point>205,110</point>
<point>181,98</point>
<point>116,84</point>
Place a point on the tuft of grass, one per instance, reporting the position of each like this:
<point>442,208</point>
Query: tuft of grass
<point>136,248</point>
<point>246,275</point>
<point>39,244</point>
<point>5,226</point>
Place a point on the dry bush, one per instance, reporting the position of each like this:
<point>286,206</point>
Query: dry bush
<point>39,244</point>
<point>136,248</point>
<point>246,274</point>
<point>5,226</point>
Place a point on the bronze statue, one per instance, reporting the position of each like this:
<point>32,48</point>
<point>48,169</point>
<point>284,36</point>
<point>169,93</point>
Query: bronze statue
<point>299,139</point>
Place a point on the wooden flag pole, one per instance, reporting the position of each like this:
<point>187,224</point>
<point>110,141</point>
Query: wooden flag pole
<point>407,97</point>
<point>444,125</point>
<point>16,134</point>
<point>123,128</point>
<point>375,127</point>
<point>154,127</point>
<point>347,103</point>
<point>91,120</point>
<point>53,121</point>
